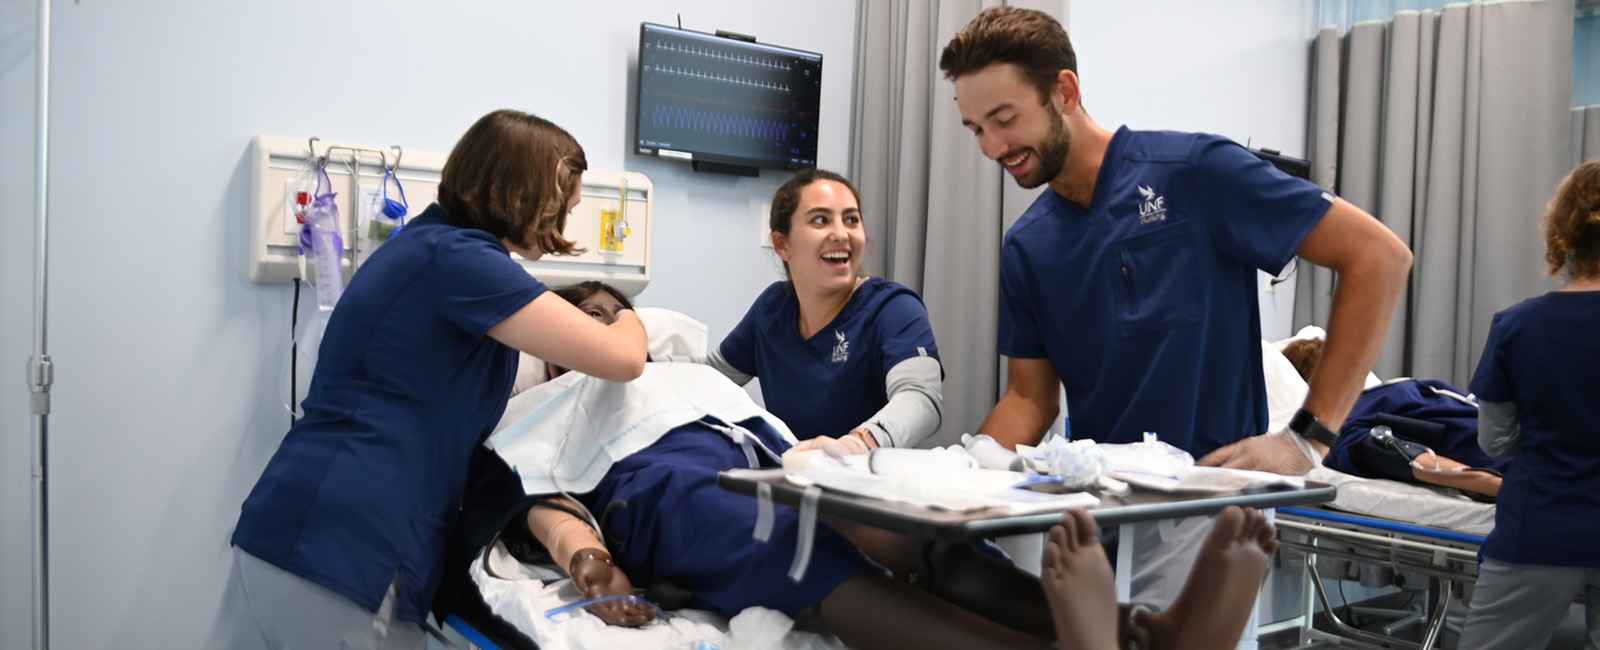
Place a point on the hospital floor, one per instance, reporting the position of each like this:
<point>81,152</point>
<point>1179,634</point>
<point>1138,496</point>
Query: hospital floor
<point>1568,635</point>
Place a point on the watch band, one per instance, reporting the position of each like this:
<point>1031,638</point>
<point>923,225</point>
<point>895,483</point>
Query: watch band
<point>1307,426</point>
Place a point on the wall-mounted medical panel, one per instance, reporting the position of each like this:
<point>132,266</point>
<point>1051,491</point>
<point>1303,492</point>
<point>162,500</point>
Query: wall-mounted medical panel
<point>612,221</point>
<point>612,224</point>
<point>279,173</point>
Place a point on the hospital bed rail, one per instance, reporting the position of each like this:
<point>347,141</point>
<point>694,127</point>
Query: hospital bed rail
<point>476,638</point>
<point>1446,557</point>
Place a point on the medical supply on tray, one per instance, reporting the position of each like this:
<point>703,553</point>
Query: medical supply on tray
<point>917,463</point>
<point>942,479</point>
<point>990,454</point>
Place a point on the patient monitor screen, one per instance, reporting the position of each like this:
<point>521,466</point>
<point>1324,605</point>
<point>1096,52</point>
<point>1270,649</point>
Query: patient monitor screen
<point>726,100</point>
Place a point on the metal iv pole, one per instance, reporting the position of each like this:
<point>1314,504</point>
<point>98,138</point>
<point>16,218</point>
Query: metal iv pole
<point>39,368</point>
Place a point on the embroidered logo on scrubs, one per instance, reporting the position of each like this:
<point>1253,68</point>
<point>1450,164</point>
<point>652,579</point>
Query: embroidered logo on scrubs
<point>1154,208</point>
<point>841,351</point>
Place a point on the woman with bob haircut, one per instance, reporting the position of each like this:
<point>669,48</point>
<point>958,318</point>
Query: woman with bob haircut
<point>341,542</point>
<point>1539,398</point>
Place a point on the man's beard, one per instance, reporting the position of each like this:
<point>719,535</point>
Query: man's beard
<point>1050,155</point>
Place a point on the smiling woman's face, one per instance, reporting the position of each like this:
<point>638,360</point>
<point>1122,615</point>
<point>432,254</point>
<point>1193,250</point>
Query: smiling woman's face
<point>825,240</point>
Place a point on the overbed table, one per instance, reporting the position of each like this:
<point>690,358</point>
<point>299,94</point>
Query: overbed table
<point>928,523</point>
<point>932,524</point>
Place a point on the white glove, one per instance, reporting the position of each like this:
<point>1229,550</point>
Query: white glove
<point>845,445</point>
<point>1282,452</point>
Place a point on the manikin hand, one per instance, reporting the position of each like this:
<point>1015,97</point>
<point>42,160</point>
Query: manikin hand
<point>1281,452</point>
<point>596,576</point>
<point>853,443</point>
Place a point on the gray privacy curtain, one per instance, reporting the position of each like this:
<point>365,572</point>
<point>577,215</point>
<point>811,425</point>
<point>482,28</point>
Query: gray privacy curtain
<point>931,202</point>
<point>1453,129</point>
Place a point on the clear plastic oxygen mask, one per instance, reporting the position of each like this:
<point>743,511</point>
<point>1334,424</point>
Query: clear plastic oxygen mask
<point>321,235</point>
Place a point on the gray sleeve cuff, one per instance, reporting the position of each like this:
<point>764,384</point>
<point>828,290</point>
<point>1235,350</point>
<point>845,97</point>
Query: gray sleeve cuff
<point>715,360</point>
<point>1498,431</point>
<point>915,407</point>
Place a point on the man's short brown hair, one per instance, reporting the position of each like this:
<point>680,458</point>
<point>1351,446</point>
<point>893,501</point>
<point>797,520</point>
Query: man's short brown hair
<point>1030,39</point>
<point>511,175</point>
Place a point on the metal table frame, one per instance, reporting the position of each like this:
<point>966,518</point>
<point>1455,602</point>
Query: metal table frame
<point>928,523</point>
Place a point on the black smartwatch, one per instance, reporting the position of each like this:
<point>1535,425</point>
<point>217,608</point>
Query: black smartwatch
<point>1307,426</point>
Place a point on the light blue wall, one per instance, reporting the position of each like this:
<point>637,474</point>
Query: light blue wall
<point>1586,58</point>
<point>168,358</point>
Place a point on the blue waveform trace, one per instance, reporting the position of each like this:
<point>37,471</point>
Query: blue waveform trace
<point>719,123</point>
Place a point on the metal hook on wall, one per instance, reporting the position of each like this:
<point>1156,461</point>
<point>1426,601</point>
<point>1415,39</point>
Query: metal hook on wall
<point>398,152</point>
<point>357,152</point>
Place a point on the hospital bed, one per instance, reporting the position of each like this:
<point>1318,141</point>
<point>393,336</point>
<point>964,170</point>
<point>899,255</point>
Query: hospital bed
<point>506,614</point>
<point>1429,533</point>
<point>1410,529</point>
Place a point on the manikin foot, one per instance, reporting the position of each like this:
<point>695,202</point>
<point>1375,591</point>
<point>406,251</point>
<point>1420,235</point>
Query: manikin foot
<point>1079,585</point>
<point>1212,609</point>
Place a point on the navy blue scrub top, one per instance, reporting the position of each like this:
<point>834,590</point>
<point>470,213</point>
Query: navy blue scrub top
<point>1542,354</point>
<point>367,485</point>
<point>1146,302</point>
<point>834,381</point>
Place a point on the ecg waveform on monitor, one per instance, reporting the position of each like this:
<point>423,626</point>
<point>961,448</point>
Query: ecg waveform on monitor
<point>721,77</point>
<point>709,52</point>
<point>718,123</point>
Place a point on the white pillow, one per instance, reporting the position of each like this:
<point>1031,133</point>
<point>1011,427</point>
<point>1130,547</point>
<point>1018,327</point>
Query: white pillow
<point>673,333</point>
<point>669,333</point>
<point>1286,390</point>
<point>1307,333</point>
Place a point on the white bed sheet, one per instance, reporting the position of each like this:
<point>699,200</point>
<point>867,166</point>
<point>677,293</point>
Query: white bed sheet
<point>524,593</point>
<point>1406,503</point>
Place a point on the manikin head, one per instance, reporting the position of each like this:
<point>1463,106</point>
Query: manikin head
<point>599,300</point>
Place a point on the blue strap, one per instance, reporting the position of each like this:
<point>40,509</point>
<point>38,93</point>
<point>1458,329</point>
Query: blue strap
<point>472,634</point>
<point>392,209</point>
<point>1384,524</point>
<point>555,614</point>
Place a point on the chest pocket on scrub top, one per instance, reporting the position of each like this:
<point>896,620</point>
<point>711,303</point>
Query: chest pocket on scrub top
<point>1153,278</point>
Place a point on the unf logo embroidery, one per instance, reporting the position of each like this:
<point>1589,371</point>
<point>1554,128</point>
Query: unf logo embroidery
<point>841,350</point>
<point>1153,208</point>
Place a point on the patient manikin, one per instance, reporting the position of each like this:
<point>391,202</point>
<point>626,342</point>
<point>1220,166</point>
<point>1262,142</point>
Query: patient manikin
<point>664,519</point>
<point>1411,431</point>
